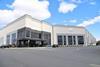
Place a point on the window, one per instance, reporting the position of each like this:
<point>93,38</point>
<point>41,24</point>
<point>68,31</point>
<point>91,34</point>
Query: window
<point>80,40</point>
<point>14,38</point>
<point>64,40</point>
<point>39,35</point>
<point>21,33</point>
<point>8,39</point>
<point>70,40</point>
<point>74,40</point>
<point>35,35</point>
<point>32,34</point>
<point>60,41</point>
<point>27,33</point>
<point>46,36</point>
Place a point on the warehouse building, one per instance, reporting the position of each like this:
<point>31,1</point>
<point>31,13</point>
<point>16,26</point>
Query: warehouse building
<point>29,32</point>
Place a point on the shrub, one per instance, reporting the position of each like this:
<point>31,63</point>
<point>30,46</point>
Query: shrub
<point>54,46</point>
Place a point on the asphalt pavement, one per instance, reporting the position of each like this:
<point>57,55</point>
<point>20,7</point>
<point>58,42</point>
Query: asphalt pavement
<point>50,57</point>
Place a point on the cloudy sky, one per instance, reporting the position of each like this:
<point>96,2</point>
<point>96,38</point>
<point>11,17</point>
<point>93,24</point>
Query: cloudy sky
<point>65,12</point>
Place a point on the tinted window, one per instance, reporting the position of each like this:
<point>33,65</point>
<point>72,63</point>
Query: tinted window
<point>13,38</point>
<point>64,40</point>
<point>80,40</point>
<point>70,40</point>
<point>35,35</point>
<point>46,36</point>
<point>27,33</point>
<point>8,39</point>
<point>21,33</point>
<point>60,41</point>
<point>74,40</point>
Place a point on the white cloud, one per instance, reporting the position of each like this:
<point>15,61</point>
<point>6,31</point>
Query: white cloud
<point>35,8</point>
<point>76,1</point>
<point>92,3</point>
<point>9,6</point>
<point>60,0</point>
<point>71,20</point>
<point>90,21</point>
<point>66,7</point>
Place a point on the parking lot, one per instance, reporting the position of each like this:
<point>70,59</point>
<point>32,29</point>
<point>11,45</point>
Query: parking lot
<point>50,57</point>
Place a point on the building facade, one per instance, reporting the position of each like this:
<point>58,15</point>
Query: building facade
<point>29,32</point>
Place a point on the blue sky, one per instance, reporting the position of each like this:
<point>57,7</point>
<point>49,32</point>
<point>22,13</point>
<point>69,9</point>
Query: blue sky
<point>66,12</point>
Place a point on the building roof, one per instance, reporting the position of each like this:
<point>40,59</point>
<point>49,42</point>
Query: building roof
<point>68,26</point>
<point>41,21</point>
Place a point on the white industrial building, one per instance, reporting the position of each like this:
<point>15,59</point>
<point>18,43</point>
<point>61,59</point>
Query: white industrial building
<point>29,32</point>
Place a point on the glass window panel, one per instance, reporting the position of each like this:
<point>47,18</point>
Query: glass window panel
<point>46,36</point>
<point>27,33</point>
<point>13,38</point>
<point>8,39</point>
<point>64,40</point>
<point>74,40</point>
<point>70,40</point>
<point>35,35</point>
<point>80,40</point>
<point>60,41</point>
